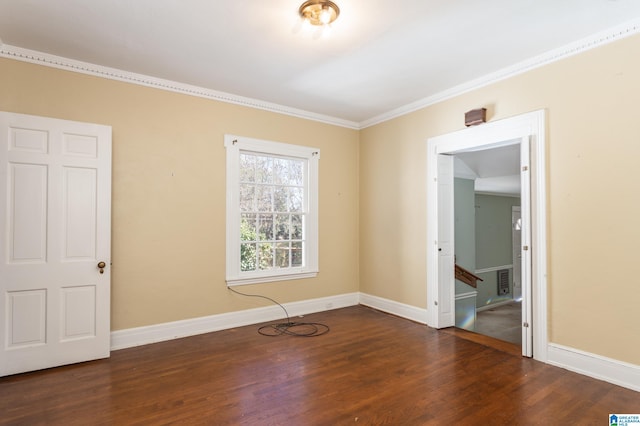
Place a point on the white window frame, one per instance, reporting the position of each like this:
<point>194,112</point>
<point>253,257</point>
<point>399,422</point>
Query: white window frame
<point>234,146</point>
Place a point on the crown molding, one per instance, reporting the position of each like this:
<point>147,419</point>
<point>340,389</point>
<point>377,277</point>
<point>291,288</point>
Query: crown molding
<point>583,45</point>
<point>35,57</point>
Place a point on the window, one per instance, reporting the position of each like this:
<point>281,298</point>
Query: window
<point>272,211</point>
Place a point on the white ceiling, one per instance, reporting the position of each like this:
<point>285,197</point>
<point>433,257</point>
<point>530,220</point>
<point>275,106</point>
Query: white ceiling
<point>495,170</point>
<point>381,56</point>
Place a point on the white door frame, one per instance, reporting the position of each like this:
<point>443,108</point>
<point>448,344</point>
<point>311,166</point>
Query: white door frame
<point>525,244</point>
<point>516,244</point>
<point>491,135</point>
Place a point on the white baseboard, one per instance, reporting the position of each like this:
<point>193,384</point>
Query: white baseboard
<point>138,336</point>
<point>396,308</point>
<point>596,366</point>
<point>468,295</point>
<point>494,305</point>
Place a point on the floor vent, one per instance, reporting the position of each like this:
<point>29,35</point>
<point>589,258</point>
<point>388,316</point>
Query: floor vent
<point>503,281</point>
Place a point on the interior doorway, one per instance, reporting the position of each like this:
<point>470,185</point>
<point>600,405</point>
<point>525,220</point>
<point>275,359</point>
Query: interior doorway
<point>529,129</point>
<point>487,191</point>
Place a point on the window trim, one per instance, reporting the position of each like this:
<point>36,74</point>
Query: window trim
<point>234,145</point>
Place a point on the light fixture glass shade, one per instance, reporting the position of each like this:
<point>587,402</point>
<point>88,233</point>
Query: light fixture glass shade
<point>325,16</point>
<point>319,12</point>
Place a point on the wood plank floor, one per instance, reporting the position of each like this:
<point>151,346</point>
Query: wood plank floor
<point>370,369</point>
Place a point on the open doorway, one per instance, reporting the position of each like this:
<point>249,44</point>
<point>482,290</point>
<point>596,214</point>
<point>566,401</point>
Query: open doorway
<point>487,192</point>
<point>529,129</point>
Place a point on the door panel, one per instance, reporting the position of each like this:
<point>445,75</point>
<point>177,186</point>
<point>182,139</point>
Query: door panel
<point>446,261</point>
<point>78,319</point>
<point>55,204</point>
<point>28,140</point>
<point>27,213</point>
<point>79,214</point>
<point>26,314</point>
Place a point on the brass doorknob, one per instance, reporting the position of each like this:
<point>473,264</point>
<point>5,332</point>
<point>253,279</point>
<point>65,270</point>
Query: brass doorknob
<point>101,265</point>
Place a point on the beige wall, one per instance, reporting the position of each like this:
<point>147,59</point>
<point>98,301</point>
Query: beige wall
<point>168,228</point>
<point>593,149</point>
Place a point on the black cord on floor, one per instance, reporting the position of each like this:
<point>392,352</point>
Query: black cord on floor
<point>298,329</point>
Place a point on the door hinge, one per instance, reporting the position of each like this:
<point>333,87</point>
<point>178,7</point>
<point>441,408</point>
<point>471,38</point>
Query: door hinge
<point>525,324</point>
<point>525,248</point>
<point>525,168</point>
<point>435,302</point>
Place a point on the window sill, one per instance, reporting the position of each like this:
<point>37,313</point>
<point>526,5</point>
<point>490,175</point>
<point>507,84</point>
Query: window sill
<point>231,282</point>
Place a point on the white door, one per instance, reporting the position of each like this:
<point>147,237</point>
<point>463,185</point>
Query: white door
<point>525,251</point>
<point>55,216</point>
<point>446,261</point>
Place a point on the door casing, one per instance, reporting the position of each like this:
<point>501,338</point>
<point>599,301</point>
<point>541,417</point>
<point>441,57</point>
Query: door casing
<point>516,243</point>
<point>490,135</point>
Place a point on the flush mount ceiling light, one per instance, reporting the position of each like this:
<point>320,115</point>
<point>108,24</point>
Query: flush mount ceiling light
<point>319,12</point>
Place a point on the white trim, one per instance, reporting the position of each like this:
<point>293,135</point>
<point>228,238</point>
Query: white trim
<point>467,295</point>
<point>35,57</point>
<point>492,269</point>
<point>497,194</point>
<point>526,260</point>
<point>494,134</point>
<point>596,40</point>
<point>138,336</point>
<point>396,308</point>
<point>270,278</point>
<point>602,368</point>
<point>583,45</point>
<point>494,305</point>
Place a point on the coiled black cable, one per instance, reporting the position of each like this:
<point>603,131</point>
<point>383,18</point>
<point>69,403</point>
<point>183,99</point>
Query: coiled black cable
<point>297,329</point>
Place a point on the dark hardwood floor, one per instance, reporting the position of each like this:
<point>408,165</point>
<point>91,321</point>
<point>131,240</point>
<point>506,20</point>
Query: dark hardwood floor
<point>370,369</point>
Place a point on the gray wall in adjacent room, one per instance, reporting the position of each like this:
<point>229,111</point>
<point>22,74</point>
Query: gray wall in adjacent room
<point>493,243</point>
<point>465,228</point>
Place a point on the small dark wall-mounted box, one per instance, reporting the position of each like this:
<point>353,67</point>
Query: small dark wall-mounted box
<point>475,116</point>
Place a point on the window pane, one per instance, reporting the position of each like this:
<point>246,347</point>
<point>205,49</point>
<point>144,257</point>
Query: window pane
<point>296,173</point>
<point>265,256</point>
<point>247,257</point>
<point>264,198</point>
<point>280,199</point>
<point>265,227</point>
<point>295,199</point>
<point>281,171</point>
<point>264,169</point>
<point>247,198</point>
<point>247,168</point>
<point>248,227</point>
<point>296,227</point>
<point>282,255</point>
<point>296,253</point>
<point>282,227</point>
